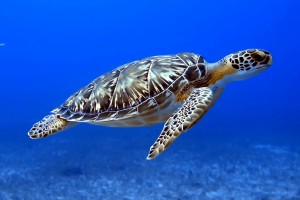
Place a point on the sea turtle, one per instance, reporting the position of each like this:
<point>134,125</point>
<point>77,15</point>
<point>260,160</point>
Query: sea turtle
<point>176,89</point>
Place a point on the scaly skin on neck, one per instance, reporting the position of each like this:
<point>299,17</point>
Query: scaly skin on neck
<point>218,71</point>
<point>215,72</point>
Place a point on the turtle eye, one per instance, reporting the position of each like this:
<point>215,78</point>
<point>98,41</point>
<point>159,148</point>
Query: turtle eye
<point>258,56</point>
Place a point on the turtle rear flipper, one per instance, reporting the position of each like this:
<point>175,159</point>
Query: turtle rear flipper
<point>49,125</point>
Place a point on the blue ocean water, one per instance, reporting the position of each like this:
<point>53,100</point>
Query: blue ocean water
<point>246,147</point>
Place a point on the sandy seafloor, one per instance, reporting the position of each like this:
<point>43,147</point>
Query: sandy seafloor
<point>247,147</point>
<point>90,162</point>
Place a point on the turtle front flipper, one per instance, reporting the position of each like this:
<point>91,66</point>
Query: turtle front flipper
<point>49,125</point>
<point>192,110</point>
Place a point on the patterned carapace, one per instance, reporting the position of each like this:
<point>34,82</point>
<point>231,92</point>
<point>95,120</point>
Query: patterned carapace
<point>140,87</point>
<point>176,89</point>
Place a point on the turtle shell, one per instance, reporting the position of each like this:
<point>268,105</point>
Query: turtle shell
<point>132,89</point>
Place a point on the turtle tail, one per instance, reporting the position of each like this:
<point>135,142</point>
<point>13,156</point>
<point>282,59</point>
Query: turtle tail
<point>49,125</point>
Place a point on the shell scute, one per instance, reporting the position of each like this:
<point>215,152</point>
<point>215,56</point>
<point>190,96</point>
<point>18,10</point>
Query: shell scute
<point>189,59</point>
<point>132,89</point>
<point>147,107</point>
<point>132,86</point>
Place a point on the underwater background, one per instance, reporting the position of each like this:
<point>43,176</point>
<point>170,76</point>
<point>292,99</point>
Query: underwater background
<point>246,147</point>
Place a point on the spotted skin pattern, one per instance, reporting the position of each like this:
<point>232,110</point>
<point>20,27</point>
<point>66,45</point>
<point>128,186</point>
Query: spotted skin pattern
<point>247,59</point>
<point>47,126</point>
<point>135,89</point>
<point>191,112</point>
<point>176,89</point>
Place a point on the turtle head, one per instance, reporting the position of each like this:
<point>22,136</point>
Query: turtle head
<point>248,62</point>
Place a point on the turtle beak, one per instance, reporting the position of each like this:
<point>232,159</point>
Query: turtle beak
<point>264,58</point>
<point>268,60</point>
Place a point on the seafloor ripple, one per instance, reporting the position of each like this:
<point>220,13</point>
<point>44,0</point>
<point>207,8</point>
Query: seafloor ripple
<point>70,168</point>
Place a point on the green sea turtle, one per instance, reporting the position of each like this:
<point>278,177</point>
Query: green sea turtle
<point>175,89</point>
